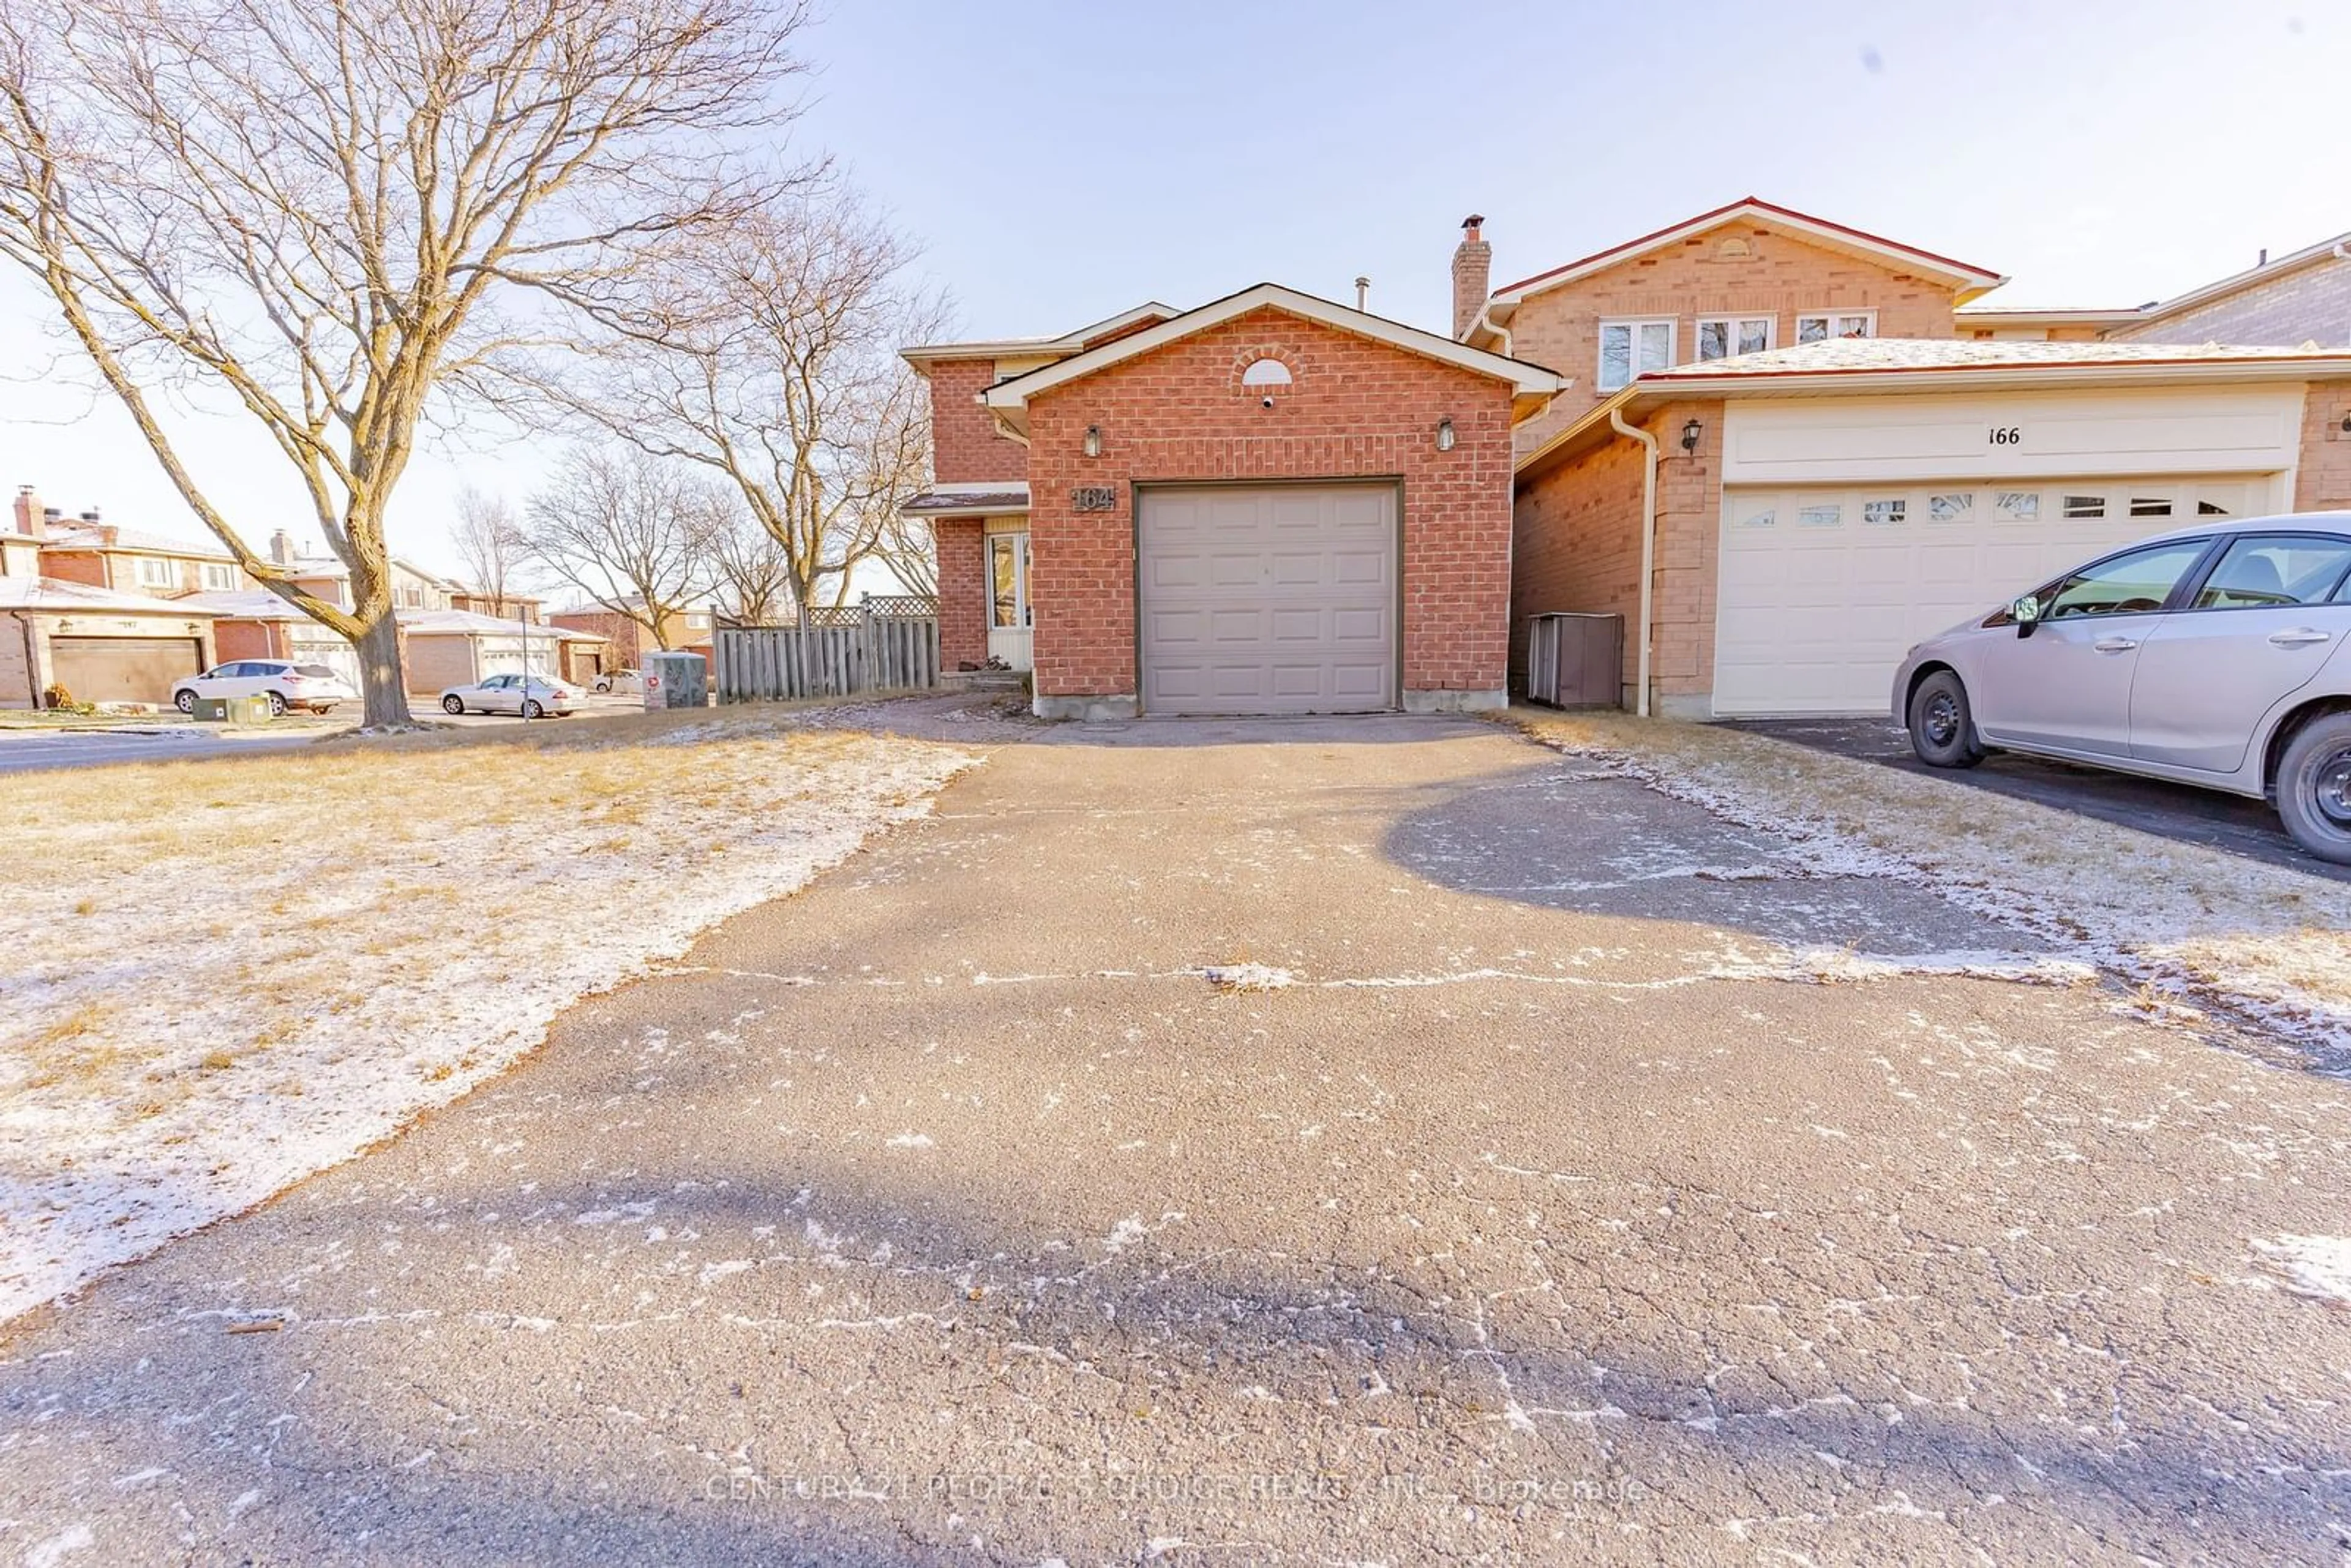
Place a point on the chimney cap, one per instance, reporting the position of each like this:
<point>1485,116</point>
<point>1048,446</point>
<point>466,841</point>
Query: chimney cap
<point>1474,220</point>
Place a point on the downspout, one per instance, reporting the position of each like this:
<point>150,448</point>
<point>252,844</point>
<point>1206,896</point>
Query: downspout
<point>1486,321</point>
<point>1648,546</point>
<point>32,662</point>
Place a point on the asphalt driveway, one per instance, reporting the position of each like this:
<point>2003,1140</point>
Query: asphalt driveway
<point>2232,823</point>
<point>1383,1140</point>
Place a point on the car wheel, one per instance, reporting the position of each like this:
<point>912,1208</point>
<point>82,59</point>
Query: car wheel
<point>184,700</point>
<point>1942,730</point>
<point>452,704</point>
<point>277,705</point>
<point>532,710</point>
<point>603,686</point>
<point>2313,788</point>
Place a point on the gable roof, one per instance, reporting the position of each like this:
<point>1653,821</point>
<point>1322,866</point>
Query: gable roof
<point>922,354</point>
<point>1968,279</point>
<point>78,534</point>
<point>1530,385</point>
<point>59,597</point>
<point>2222,287</point>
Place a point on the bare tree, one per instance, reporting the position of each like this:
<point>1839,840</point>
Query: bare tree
<point>749,568</point>
<point>489,540</point>
<point>631,532</point>
<point>767,353</point>
<point>909,548</point>
<point>332,217</point>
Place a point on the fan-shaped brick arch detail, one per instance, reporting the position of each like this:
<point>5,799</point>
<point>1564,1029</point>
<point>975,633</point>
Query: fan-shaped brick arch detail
<point>1265,369</point>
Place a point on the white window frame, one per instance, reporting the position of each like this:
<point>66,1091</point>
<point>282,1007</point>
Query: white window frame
<point>1730,322</point>
<point>219,577</point>
<point>1015,542</point>
<point>156,571</point>
<point>1633,325</point>
<point>1828,316</point>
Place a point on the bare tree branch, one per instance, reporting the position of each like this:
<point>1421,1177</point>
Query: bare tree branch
<point>491,544</point>
<point>335,213</point>
<point>631,532</point>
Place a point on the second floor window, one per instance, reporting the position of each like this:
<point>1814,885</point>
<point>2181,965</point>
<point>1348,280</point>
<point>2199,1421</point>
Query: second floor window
<point>1819,325</point>
<point>1719,337</point>
<point>221,578</point>
<point>1628,349</point>
<point>156,573</point>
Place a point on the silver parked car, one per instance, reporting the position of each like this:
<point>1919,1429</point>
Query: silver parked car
<point>2210,655</point>
<point>535,697</point>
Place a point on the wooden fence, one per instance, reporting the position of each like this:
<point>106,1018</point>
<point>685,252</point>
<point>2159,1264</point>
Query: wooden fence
<point>882,645</point>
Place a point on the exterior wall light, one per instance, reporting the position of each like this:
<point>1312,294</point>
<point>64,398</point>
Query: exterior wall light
<point>1093,441</point>
<point>1445,434</point>
<point>1691,433</point>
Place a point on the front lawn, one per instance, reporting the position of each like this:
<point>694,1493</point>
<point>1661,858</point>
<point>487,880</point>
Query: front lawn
<point>226,974</point>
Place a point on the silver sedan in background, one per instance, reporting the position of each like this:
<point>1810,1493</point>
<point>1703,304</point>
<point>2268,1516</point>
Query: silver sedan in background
<point>2211,655</point>
<point>535,697</point>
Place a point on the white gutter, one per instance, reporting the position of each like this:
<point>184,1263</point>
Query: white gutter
<point>1648,546</point>
<point>1485,320</point>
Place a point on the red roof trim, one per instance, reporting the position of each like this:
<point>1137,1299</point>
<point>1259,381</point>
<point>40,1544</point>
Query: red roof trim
<point>1756,204</point>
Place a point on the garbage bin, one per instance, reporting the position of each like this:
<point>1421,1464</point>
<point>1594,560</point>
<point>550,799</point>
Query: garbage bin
<point>1577,660</point>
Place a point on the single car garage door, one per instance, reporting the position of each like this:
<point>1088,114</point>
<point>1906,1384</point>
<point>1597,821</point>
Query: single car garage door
<point>123,669</point>
<point>1822,592</point>
<point>1272,600</point>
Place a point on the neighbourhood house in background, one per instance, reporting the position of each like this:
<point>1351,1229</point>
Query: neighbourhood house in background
<point>65,625</point>
<point>625,641</point>
<point>1269,504</point>
<point>1850,453</point>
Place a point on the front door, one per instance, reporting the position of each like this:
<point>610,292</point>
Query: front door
<point>1010,621</point>
<point>2068,685</point>
<point>2272,610</point>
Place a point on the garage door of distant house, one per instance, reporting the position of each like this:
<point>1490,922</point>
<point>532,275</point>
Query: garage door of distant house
<point>1272,600</point>
<point>123,669</point>
<point>1824,590</point>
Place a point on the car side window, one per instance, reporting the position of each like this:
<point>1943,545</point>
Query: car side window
<point>2128,584</point>
<point>2267,570</point>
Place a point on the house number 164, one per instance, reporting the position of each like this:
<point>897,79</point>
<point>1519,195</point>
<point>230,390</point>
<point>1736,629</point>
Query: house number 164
<point>2006,435</point>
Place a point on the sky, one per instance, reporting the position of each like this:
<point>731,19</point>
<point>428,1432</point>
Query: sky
<point>1060,162</point>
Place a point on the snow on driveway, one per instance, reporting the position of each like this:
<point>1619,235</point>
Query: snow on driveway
<point>2191,925</point>
<point>227,975</point>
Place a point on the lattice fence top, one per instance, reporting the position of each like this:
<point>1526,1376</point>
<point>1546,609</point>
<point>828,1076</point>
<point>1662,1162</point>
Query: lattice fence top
<point>900,606</point>
<point>827,615</point>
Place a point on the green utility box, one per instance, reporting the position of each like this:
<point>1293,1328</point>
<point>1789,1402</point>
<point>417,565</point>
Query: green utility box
<point>249,710</point>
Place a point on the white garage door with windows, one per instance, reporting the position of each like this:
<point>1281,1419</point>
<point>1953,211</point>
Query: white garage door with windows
<point>1852,527</point>
<point>1823,590</point>
<point>1267,600</point>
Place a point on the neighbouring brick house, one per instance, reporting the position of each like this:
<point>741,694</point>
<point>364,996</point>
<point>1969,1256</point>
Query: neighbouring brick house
<point>2301,298</point>
<point>65,624</point>
<point>1269,503</point>
<point>624,641</point>
<point>1820,459</point>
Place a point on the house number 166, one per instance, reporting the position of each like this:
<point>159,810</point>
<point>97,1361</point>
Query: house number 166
<point>2006,435</point>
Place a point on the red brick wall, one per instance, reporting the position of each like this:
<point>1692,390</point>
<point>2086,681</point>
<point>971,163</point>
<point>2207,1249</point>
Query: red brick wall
<point>962,592</point>
<point>627,640</point>
<point>1578,544</point>
<point>966,448</point>
<point>248,640</point>
<point>75,566</point>
<point>1780,275</point>
<point>1356,409</point>
<point>2322,477</point>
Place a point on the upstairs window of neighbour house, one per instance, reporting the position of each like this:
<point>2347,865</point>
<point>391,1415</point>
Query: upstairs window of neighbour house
<point>1630,348</point>
<point>220,578</point>
<point>154,571</point>
<point>1719,337</point>
<point>1817,326</point>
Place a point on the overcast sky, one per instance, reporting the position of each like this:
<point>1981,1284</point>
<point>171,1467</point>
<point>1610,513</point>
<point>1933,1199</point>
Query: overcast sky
<point>1060,162</point>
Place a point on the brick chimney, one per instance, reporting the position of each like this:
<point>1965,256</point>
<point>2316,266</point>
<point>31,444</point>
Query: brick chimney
<point>281,547</point>
<point>1473,268</point>
<point>32,517</point>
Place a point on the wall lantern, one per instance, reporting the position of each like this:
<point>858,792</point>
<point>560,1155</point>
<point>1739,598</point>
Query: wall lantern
<point>1093,441</point>
<point>1445,434</point>
<point>2346,424</point>
<point>1691,433</point>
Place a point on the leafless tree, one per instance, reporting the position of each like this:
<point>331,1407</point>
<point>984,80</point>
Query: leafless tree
<point>631,532</point>
<point>749,569</point>
<point>910,549</point>
<point>338,218</point>
<point>767,353</point>
<point>489,540</point>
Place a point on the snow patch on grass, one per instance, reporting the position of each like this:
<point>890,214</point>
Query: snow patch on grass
<point>231,973</point>
<point>2183,922</point>
<point>2313,1265</point>
<point>1248,978</point>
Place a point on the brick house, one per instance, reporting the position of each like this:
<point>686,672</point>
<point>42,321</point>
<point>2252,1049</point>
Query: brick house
<point>1800,454</point>
<point>63,623</point>
<point>2301,298</point>
<point>1269,504</point>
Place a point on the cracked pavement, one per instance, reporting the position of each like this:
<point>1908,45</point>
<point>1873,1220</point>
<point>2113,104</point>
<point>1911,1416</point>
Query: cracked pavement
<point>1543,1206</point>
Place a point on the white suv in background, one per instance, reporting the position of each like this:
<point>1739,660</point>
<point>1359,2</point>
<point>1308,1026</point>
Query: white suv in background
<point>285,684</point>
